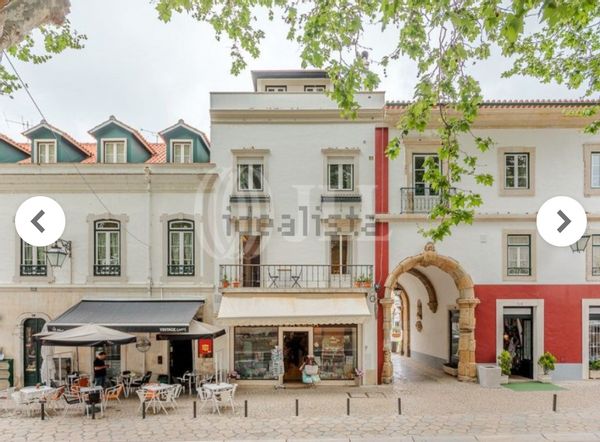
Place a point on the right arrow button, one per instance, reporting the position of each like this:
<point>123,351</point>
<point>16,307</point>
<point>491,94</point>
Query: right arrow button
<point>566,221</point>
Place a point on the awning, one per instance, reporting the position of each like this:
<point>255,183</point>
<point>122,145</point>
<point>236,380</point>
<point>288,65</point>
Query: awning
<point>170,315</point>
<point>197,330</point>
<point>296,309</point>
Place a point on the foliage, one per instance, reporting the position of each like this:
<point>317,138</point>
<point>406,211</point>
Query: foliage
<point>552,40</point>
<point>39,49</point>
<point>505,362</point>
<point>595,365</point>
<point>547,361</point>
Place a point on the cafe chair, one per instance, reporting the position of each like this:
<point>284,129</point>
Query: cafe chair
<point>72,402</point>
<point>223,398</point>
<point>113,394</point>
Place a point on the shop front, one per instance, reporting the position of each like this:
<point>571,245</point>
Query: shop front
<point>271,349</point>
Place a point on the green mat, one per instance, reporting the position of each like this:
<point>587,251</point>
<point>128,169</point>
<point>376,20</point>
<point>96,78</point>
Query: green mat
<point>532,386</point>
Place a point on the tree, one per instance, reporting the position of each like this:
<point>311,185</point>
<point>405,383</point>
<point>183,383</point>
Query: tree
<point>551,40</point>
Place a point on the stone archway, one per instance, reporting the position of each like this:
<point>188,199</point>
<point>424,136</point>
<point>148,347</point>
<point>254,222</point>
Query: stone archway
<point>467,369</point>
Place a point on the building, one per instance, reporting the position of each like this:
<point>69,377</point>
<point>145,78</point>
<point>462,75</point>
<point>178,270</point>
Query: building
<point>136,235</point>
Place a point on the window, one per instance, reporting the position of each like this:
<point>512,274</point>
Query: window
<point>336,351</point>
<point>250,176</point>
<point>281,88</point>
<point>46,151</point>
<point>115,152</point>
<point>182,152</point>
<point>595,175</point>
<point>314,88</point>
<point>107,249</point>
<point>33,260</point>
<point>181,248</point>
<point>252,356</point>
<point>519,255</point>
<point>420,186</point>
<point>516,166</point>
<point>595,255</point>
<point>340,174</point>
<point>340,254</point>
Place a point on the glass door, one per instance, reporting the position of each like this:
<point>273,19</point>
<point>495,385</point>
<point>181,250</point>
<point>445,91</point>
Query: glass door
<point>518,339</point>
<point>250,257</point>
<point>297,343</point>
<point>32,351</point>
<point>594,334</point>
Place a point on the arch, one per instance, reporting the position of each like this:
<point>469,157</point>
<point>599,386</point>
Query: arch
<point>431,293</point>
<point>467,370</point>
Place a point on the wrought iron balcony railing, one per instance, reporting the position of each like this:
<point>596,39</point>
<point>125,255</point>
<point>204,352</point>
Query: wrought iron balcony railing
<point>34,270</point>
<point>181,270</point>
<point>295,276</point>
<point>107,270</point>
<point>419,199</point>
<point>519,271</point>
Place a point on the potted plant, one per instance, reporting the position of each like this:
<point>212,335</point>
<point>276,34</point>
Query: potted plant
<point>595,369</point>
<point>546,361</point>
<point>366,282</point>
<point>235,283</point>
<point>358,282</point>
<point>224,281</point>
<point>505,363</point>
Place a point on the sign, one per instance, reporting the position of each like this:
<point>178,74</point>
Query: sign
<point>205,347</point>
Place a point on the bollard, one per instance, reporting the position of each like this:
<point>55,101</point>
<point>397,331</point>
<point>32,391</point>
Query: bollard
<point>144,409</point>
<point>399,406</point>
<point>194,409</point>
<point>93,411</point>
<point>245,407</point>
<point>348,406</point>
<point>296,407</point>
<point>42,402</point>
<point>554,399</point>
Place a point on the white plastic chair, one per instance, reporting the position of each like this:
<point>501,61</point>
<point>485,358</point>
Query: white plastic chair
<point>6,396</point>
<point>223,398</point>
<point>205,398</point>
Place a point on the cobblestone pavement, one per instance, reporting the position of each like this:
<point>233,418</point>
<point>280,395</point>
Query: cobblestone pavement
<point>434,407</point>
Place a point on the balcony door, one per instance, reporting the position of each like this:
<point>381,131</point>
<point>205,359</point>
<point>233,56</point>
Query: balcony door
<point>250,257</point>
<point>424,198</point>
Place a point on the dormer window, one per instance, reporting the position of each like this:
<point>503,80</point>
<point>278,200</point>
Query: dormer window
<point>181,151</point>
<point>46,151</point>
<point>314,88</point>
<point>114,151</point>
<point>281,88</point>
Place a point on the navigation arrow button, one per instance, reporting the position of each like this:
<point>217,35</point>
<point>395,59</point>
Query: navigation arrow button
<point>35,220</point>
<point>566,221</point>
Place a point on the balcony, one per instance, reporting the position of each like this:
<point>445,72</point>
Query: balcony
<point>295,276</point>
<point>181,270</point>
<point>107,270</point>
<point>419,199</point>
<point>34,270</point>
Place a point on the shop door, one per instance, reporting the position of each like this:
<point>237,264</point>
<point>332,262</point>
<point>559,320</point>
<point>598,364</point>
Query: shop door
<point>181,358</point>
<point>296,345</point>
<point>32,351</point>
<point>518,339</point>
<point>250,255</point>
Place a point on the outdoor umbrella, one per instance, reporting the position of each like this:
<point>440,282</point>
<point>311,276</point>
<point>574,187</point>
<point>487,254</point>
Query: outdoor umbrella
<point>197,330</point>
<point>47,370</point>
<point>89,335</point>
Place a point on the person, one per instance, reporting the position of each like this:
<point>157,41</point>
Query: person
<point>100,369</point>
<point>310,371</point>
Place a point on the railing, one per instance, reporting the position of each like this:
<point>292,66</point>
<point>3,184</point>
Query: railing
<point>595,271</point>
<point>295,276</point>
<point>519,271</point>
<point>107,270</point>
<point>34,270</point>
<point>419,199</point>
<point>181,270</point>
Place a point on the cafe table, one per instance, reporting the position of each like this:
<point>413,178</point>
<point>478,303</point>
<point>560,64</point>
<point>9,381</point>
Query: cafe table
<point>94,389</point>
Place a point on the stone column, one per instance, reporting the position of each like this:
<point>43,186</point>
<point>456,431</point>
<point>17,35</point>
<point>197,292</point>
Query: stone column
<point>387,375</point>
<point>467,367</point>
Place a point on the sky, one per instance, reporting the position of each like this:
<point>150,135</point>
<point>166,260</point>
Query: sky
<point>150,74</point>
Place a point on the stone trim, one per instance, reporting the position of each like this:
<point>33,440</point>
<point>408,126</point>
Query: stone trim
<point>588,190</point>
<point>503,191</point>
<point>467,368</point>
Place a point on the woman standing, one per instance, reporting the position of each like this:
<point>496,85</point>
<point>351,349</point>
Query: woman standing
<point>310,371</point>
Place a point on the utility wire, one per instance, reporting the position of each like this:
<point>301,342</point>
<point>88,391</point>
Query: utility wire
<point>56,138</point>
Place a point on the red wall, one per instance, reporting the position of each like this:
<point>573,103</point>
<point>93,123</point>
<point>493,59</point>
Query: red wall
<point>381,232</point>
<point>562,317</point>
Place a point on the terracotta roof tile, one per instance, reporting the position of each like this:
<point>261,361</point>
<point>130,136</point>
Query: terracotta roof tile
<point>523,104</point>
<point>23,147</point>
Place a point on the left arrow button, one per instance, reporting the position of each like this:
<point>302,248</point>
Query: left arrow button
<point>35,221</point>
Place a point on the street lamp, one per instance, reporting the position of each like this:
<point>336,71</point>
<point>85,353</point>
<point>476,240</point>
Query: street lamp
<point>58,252</point>
<point>580,245</point>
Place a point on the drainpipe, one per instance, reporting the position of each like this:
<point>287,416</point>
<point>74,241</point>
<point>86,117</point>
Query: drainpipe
<point>149,242</point>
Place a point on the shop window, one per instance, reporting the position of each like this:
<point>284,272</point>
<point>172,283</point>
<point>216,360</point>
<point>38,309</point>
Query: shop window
<point>252,352</point>
<point>63,366</point>
<point>336,352</point>
<point>594,334</point>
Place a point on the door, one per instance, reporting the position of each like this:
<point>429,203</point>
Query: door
<point>518,339</point>
<point>250,257</point>
<point>296,345</point>
<point>424,198</point>
<point>181,358</point>
<point>32,351</point>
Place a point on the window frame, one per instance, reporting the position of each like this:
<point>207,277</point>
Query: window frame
<point>107,233</point>
<point>532,244</point>
<point>426,189</point>
<point>502,155</point>
<point>317,88</point>
<point>48,143</point>
<point>35,258</point>
<point>189,143</point>
<point>106,141</point>
<point>591,182</point>
<point>515,169</point>
<point>181,233</point>
<point>251,174</point>
<point>270,88</point>
<point>518,248</point>
<point>340,163</point>
<point>344,269</point>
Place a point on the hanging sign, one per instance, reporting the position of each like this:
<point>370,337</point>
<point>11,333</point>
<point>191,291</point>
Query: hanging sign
<point>205,347</point>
